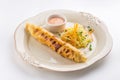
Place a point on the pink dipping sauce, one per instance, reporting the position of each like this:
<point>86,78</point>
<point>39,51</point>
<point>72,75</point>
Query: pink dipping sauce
<point>56,20</point>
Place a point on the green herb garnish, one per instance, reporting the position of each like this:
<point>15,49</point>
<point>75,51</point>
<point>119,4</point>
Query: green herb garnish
<point>88,26</point>
<point>80,33</point>
<point>90,29</point>
<point>90,47</point>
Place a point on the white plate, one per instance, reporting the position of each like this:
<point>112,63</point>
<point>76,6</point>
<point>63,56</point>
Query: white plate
<point>39,55</point>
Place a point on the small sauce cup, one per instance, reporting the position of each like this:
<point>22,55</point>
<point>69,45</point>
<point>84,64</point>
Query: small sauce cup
<point>55,23</point>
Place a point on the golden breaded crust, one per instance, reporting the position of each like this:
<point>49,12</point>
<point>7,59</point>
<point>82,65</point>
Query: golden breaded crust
<point>64,49</point>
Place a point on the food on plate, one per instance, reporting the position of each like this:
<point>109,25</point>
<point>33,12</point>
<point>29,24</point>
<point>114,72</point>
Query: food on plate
<point>56,22</point>
<point>90,47</point>
<point>64,49</point>
<point>78,36</point>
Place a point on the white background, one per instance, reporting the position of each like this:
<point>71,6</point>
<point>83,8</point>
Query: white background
<point>12,12</point>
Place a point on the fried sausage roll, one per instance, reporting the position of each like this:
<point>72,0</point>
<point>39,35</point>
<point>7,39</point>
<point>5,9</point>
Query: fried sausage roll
<point>64,49</point>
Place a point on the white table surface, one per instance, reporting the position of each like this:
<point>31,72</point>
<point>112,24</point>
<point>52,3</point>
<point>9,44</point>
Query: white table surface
<point>12,12</point>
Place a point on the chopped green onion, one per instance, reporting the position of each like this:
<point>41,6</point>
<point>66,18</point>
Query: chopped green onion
<point>90,47</point>
<point>88,26</point>
<point>80,33</point>
<point>90,29</point>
